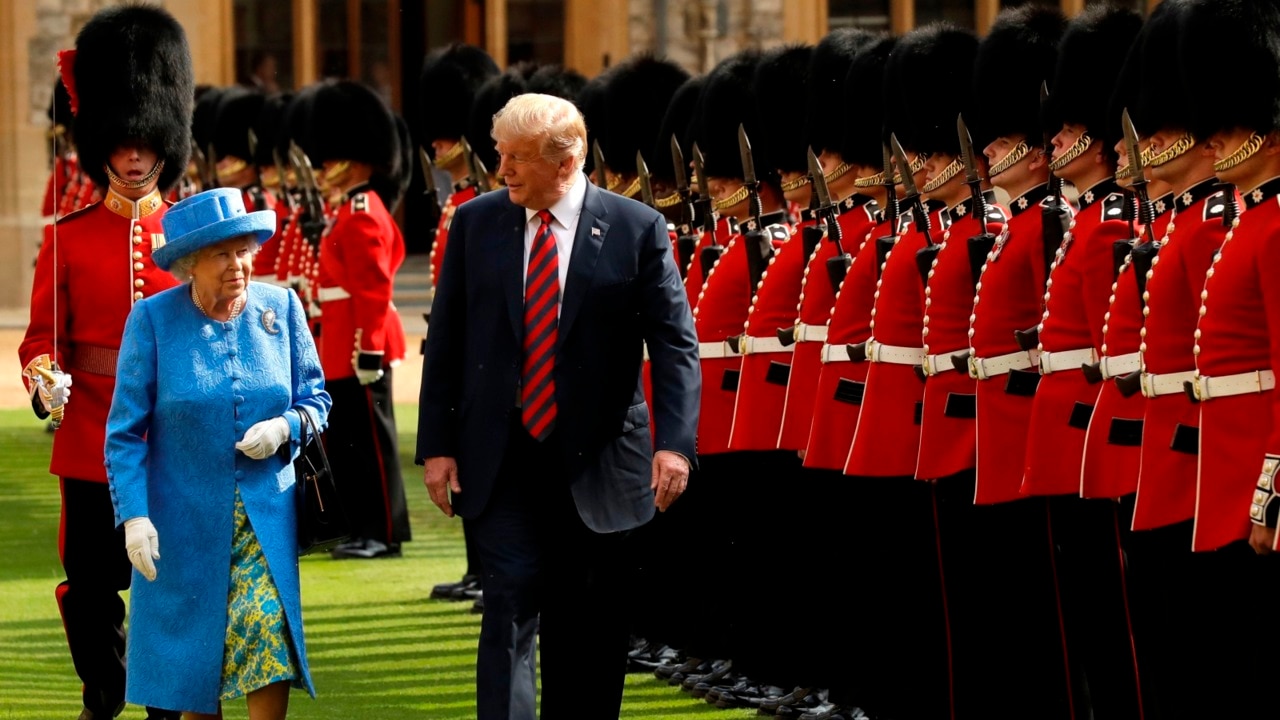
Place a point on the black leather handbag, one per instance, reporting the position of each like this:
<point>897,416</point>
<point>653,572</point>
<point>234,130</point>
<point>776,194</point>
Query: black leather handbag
<point>322,521</point>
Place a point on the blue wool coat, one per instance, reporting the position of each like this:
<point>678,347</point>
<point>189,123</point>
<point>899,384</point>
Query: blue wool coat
<point>187,388</point>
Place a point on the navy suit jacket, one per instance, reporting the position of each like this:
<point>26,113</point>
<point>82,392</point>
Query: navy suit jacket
<point>622,292</point>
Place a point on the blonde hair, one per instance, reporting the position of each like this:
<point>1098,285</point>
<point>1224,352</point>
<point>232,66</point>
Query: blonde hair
<point>554,122</point>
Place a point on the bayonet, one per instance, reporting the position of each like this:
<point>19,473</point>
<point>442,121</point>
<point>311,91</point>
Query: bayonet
<point>754,205</point>
<point>597,158</point>
<point>285,196</point>
<point>913,200</point>
<point>1146,214</point>
<point>1055,214</point>
<point>646,184</point>
<point>478,178</point>
<point>885,243</point>
<point>686,242</point>
<point>703,204</point>
<point>312,217</point>
<point>981,244</point>
<point>838,265</point>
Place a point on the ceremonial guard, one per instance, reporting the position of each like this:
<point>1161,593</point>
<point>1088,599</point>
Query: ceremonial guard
<point>450,77</point>
<point>236,160</point>
<point>356,142</point>
<point>1086,532</point>
<point>1235,344</point>
<point>69,187</point>
<point>886,440</point>
<point>131,86</point>
<point>1010,553</point>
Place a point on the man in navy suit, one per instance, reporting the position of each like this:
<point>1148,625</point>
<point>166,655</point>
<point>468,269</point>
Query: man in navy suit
<point>533,420</point>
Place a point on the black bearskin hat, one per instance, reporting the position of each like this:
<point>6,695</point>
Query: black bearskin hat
<point>824,93</point>
<point>863,108</point>
<point>269,126</point>
<point>1231,48</point>
<point>931,73</point>
<point>349,121</point>
<point>1161,101</point>
<point>1092,51</point>
<point>133,82</point>
<point>636,98</point>
<point>392,186</point>
<point>238,110</point>
<point>489,99</point>
<point>591,102</point>
<point>557,80</point>
<point>782,70</point>
<point>450,77</point>
<point>295,125</point>
<point>728,100</point>
<point>676,121</point>
<point>204,116</point>
<point>1015,59</point>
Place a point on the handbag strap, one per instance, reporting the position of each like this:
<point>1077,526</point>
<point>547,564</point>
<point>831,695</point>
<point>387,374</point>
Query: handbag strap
<point>309,432</point>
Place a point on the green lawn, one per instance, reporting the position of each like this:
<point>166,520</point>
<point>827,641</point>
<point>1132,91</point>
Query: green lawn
<point>379,648</point>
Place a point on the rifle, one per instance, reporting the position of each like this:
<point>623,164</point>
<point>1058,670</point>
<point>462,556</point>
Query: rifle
<point>646,184</point>
<point>597,158</point>
<point>1141,255</point>
<point>431,192</point>
<point>712,252</point>
<point>885,243</point>
<point>919,215</point>
<point>686,241</point>
<point>759,247</point>
<point>980,245</point>
<point>312,220</point>
<point>479,173</point>
<point>837,266</point>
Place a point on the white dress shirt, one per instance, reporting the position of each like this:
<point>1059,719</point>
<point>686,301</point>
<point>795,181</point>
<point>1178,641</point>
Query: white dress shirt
<point>564,225</point>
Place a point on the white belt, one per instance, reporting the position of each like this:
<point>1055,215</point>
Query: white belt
<point>987,368</point>
<point>894,354</point>
<point>1166,383</point>
<point>748,345</point>
<point>330,294</point>
<point>1052,362</point>
<point>940,363</point>
<point>1115,366</point>
<point>811,333</point>
<point>713,350</point>
<point>835,353</point>
<point>1208,388</point>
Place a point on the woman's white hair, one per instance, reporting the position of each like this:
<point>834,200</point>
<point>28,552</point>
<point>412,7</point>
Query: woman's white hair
<point>554,122</point>
<point>182,267</point>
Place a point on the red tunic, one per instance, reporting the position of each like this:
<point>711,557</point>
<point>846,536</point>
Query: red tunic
<point>103,266</point>
<point>1075,303</point>
<point>264,263</point>
<point>726,228</point>
<point>947,440</point>
<point>887,439</point>
<point>456,198</point>
<point>817,296</point>
<point>841,382</point>
<point>1167,476</point>
<point>361,253</point>
<point>766,366</point>
<point>1008,298</point>
<point>1239,333</point>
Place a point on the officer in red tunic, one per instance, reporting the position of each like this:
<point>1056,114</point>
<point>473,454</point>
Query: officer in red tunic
<point>450,77</point>
<point>1235,344</point>
<point>131,85</point>
<point>1096,618</point>
<point>359,150</point>
<point>1009,539</point>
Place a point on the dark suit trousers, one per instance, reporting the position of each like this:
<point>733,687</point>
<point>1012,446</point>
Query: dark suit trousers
<point>539,559</point>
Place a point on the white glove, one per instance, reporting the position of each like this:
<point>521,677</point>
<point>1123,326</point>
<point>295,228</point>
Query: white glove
<point>263,439</point>
<point>56,393</point>
<point>368,376</point>
<point>143,545</point>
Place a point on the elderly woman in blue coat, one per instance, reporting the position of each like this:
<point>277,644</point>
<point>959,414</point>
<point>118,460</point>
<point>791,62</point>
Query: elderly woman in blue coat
<point>212,379</point>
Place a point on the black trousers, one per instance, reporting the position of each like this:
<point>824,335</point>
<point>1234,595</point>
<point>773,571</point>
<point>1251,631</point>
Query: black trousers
<point>362,447</point>
<point>1096,606</point>
<point>706,527</point>
<point>1009,657</point>
<point>541,561</point>
<point>97,566</point>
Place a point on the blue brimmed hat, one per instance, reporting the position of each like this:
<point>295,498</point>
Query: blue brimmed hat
<point>207,218</point>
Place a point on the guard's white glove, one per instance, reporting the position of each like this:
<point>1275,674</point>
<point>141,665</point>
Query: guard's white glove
<point>59,391</point>
<point>368,376</point>
<point>263,439</point>
<point>143,545</point>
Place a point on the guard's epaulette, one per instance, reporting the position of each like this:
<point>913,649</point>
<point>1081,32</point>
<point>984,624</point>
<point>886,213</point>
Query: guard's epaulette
<point>1215,205</point>
<point>78,213</point>
<point>1113,206</point>
<point>778,232</point>
<point>360,202</point>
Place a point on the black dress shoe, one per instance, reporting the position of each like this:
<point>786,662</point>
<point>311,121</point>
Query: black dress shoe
<point>690,665</point>
<point>477,607</point>
<point>815,701</point>
<point>367,549</point>
<point>719,670</point>
<point>749,696</point>
<point>444,591</point>
<point>831,711</point>
<point>656,656</point>
<point>734,684</point>
<point>704,688</point>
<point>796,696</point>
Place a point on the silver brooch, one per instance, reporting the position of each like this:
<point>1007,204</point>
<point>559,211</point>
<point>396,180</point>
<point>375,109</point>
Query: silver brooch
<point>269,322</point>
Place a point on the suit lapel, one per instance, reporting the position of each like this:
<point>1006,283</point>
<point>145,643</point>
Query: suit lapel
<point>511,265</point>
<point>587,242</point>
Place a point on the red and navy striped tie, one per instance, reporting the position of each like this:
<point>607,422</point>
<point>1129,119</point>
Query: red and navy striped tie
<point>541,318</point>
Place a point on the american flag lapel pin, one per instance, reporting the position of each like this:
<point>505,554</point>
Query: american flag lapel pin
<point>595,232</point>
